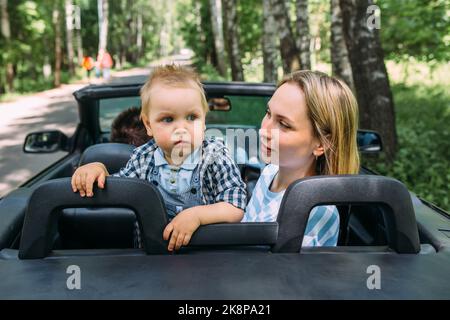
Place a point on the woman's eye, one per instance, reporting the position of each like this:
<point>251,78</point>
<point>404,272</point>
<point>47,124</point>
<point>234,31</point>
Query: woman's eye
<point>191,117</point>
<point>167,119</point>
<point>284,125</point>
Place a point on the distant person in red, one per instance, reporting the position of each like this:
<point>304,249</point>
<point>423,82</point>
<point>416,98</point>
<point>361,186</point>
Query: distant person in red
<point>104,63</point>
<point>88,64</point>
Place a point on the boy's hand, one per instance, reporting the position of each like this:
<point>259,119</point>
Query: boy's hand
<point>181,228</point>
<point>84,177</point>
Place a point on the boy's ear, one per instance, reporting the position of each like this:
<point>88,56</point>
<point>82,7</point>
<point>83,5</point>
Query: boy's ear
<point>146,122</point>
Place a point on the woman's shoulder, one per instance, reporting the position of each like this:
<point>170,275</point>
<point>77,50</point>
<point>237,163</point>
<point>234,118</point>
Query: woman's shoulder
<point>269,172</point>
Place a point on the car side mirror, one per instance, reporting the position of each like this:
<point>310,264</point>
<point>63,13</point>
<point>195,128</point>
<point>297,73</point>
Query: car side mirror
<point>369,141</point>
<point>45,142</point>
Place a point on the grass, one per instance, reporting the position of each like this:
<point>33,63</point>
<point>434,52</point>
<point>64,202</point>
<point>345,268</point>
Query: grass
<point>7,97</point>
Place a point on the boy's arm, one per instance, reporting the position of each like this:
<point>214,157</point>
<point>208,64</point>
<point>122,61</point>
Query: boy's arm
<point>227,184</point>
<point>217,213</point>
<point>85,176</point>
<point>181,228</point>
<point>226,189</point>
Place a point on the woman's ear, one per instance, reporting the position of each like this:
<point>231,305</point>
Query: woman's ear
<point>146,122</point>
<point>318,151</point>
<point>320,147</point>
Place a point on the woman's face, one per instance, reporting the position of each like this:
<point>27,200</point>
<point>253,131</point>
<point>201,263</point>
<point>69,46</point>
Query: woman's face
<point>286,135</point>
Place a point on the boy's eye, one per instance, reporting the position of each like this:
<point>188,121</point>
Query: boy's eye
<point>268,112</point>
<point>167,119</point>
<point>191,117</point>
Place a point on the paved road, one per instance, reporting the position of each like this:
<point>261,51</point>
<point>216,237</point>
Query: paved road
<point>48,110</point>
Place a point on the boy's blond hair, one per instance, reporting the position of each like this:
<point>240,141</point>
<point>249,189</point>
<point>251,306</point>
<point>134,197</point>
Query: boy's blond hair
<point>173,76</point>
<point>333,112</point>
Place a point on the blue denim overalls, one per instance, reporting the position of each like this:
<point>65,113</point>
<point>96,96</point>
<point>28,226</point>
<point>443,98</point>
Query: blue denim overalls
<point>176,202</point>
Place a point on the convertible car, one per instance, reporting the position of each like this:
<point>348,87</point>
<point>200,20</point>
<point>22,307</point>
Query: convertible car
<point>56,245</point>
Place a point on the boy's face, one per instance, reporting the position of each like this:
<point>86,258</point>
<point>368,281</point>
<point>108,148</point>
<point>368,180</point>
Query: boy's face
<point>176,120</point>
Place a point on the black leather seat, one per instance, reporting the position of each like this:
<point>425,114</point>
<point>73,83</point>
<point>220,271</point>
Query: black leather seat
<point>250,175</point>
<point>113,155</point>
<point>99,228</point>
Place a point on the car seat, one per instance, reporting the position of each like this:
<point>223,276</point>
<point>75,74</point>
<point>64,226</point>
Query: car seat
<point>100,228</point>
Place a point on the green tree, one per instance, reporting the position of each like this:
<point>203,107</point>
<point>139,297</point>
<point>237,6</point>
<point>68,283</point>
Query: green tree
<point>415,28</point>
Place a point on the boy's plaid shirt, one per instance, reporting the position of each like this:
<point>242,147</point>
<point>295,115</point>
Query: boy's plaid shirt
<point>220,177</point>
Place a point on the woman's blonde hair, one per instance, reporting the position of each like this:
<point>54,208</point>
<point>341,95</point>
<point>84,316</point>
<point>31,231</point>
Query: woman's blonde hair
<point>333,112</point>
<point>172,75</point>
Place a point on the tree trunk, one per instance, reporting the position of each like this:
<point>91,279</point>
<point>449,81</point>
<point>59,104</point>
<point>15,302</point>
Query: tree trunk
<point>58,41</point>
<point>139,37</point>
<point>290,55</point>
<point>232,38</point>
<point>204,23</point>
<point>125,40</point>
<point>217,30</point>
<point>269,43</point>
<point>103,8</point>
<point>303,41</point>
<point>166,30</point>
<point>78,40</point>
<point>69,35</point>
<point>6,30</point>
<point>369,73</point>
<point>339,54</point>
<point>79,48</point>
<point>6,33</point>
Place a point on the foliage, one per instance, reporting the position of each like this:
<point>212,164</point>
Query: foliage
<point>415,28</point>
<point>209,73</point>
<point>196,29</point>
<point>320,29</point>
<point>32,44</point>
<point>423,158</point>
<point>31,36</point>
<point>250,29</point>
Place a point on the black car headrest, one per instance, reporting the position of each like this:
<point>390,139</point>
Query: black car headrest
<point>389,194</point>
<point>48,200</point>
<point>113,155</point>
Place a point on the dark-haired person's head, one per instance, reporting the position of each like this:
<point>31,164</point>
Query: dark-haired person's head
<point>128,127</point>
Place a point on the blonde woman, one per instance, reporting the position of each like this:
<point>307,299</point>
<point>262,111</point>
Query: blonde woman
<point>309,129</point>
